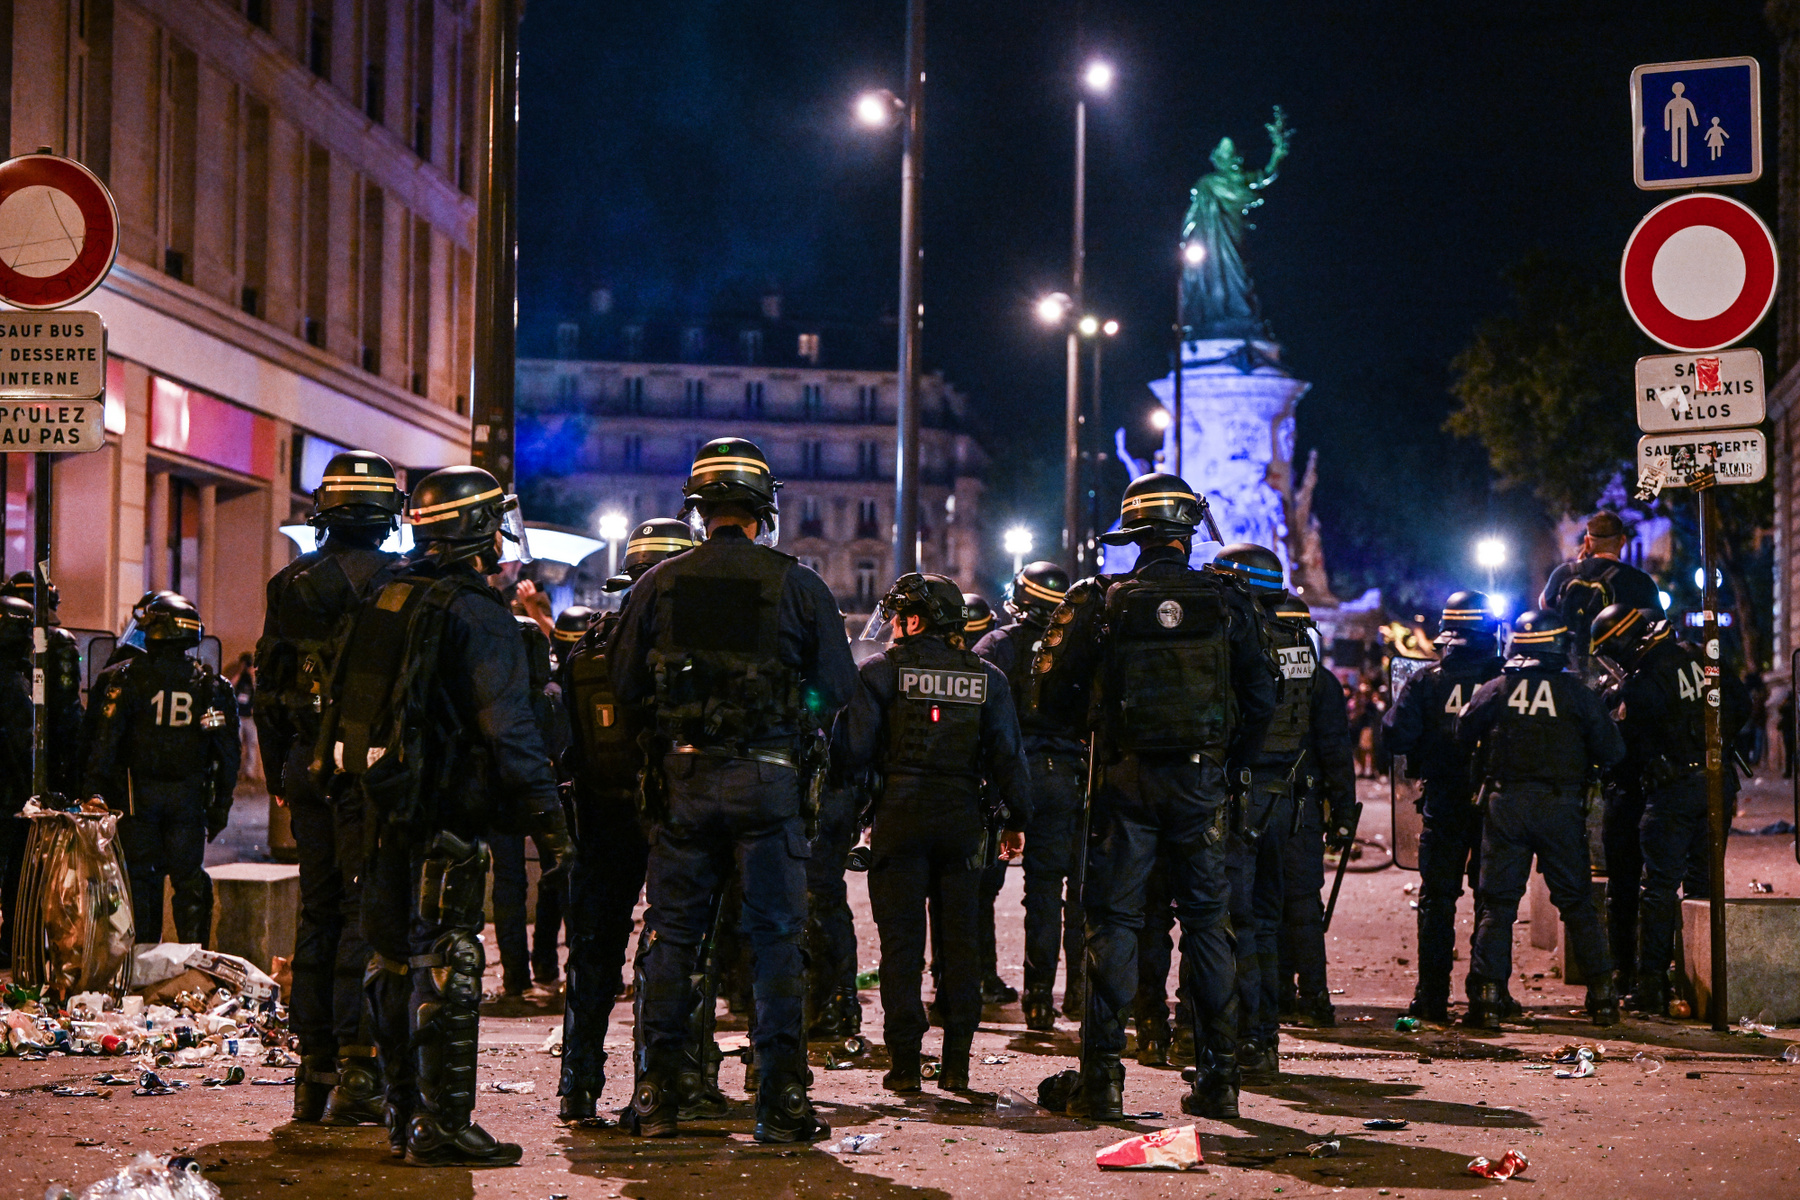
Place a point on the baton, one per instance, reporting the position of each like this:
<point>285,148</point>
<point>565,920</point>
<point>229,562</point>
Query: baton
<point>1337,883</point>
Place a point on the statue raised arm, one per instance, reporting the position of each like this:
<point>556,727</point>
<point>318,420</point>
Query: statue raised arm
<point>1218,299</point>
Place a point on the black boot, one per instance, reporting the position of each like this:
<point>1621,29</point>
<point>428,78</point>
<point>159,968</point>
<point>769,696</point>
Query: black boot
<point>358,1097</point>
<point>953,1068</point>
<point>995,990</point>
<point>1215,1093</point>
<point>1257,1062</point>
<point>784,1113</point>
<point>1075,997</point>
<point>1603,1004</point>
<point>1153,1037</point>
<point>1317,1012</point>
<point>430,1144</point>
<point>1040,1010</point>
<point>700,1095</point>
<point>653,1110</point>
<point>312,1085</point>
<point>578,1104</point>
<point>903,1070</point>
<point>1435,1009</point>
<point>1100,1095</point>
<point>849,1008</point>
<point>1486,1006</point>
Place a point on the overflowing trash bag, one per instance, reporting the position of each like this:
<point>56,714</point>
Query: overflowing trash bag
<point>147,1178</point>
<point>74,931</point>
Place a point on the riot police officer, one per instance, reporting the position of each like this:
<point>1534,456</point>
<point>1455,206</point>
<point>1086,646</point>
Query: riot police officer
<point>1168,662</point>
<point>994,990</point>
<point>1326,810</point>
<point>937,725</point>
<point>63,683</point>
<point>1056,759</point>
<point>1538,736</point>
<point>1664,834</point>
<point>571,626</point>
<point>431,714</point>
<point>1421,724</point>
<point>166,753</point>
<point>1577,590</point>
<point>355,508</point>
<point>603,762</point>
<point>742,652</point>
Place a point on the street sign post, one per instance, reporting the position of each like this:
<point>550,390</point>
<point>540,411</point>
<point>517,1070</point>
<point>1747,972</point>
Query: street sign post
<point>59,231</point>
<point>1699,272</point>
<point>1696,123</point>
<point>1727,455</point>
<point>1685,392</point>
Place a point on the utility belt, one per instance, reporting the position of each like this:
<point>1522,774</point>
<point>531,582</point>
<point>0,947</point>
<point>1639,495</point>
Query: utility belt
<point>1660,772</point>
<point>777,758</point>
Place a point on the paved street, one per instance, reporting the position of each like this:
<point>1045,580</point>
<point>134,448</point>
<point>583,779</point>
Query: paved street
<point>1721,1117</point>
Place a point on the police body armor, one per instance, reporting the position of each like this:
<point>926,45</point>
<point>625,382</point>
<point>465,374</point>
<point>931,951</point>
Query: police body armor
<point>1166,682</point>
<point>1535,738</point>
<point>1678,671</point>
<point>1033,723</point>
<point>169,702</point>
<point>1295,656</point>
<point>717,663</point>
<point>607,754</point>
<point>293,664</point>
<point>934,726</point>
<point>1450,685</point>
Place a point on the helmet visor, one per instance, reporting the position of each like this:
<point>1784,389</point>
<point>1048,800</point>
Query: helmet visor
<point>512,529</point>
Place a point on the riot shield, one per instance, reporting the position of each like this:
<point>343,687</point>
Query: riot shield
<point>1408,822</point>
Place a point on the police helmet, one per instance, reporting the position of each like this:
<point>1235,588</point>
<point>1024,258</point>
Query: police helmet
<point>1470,611</point>
<point>650,543</point>
<point>23,585</point>
<point>936,598</point>
<point>1293,607</point>
<point>1036,591</point>
<point>734,471</point>
<point>1156,505</point>
<point>358,488</point>
<point>1256,567</point>
<point>171,620</point>
<point>571,623</point>
<point>980,616</point>
<point>455,513</point>
<point>1621,633</point>
<point>16,620</point>
<point>1541,635</point>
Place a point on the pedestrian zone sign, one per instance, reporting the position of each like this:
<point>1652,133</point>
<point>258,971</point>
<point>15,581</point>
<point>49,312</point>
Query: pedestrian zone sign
<point>1696,123</point>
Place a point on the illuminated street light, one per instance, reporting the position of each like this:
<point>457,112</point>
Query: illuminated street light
<point>1193,253</point>
<point>1490,552</point>
<point>879,109</point>
<point>1018,542</point>
<point>1054,308</point>
<point>1089,326</point>
<point>613,528</point>
<point>1098,76</point>
<point>1110,329</point>
<point>1160,419</point>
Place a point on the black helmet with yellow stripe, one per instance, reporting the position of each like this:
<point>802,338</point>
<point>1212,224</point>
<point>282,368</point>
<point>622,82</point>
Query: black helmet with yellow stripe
<point>455,513</point>
<point>172,620</point>
<point>571,623</point>
<point>358,488</point>
<point>1540,635</point>
<point>1036,591</point>
<point>650,543</point>
<point>733,471</point>
<point>979,617</point>
<point>1621,634</point>
<point>1156,506</point>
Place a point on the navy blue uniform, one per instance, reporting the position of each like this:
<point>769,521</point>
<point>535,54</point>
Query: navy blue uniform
<point>1151,801</point>
<point>1331,768</point>
<point>1058,767</point>
<point>1422,726</point>
<point>1541,736</point>
<point>930,826</point>
<point>830,927</point>
<point>65,741</point>
<point>735,805</point>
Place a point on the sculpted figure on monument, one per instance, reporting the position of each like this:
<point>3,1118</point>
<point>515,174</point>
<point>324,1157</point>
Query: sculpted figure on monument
<point>1218,299</point>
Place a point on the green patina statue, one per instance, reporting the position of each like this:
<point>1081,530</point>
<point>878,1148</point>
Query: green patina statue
<point>1218,299</point>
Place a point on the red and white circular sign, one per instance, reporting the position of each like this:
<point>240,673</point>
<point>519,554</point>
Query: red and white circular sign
<point>1699,272</point>
<point>59,231</point>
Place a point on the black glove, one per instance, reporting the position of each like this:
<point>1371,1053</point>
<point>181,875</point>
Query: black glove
<point>217,817</point>
<point>1345,817</point>
<point>556,850</point>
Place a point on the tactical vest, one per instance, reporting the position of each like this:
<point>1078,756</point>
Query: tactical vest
<point>382,726</point>
<point>934,726</point>
<point>606,747</point>
<point>1446,689</point>
<point>1678,671</point>
<point>170,706</point>
<point>717,662</point>
<point>1537,737</point>
<point>1166,681</point>
<point>1298,662</point>
<point>295,660</point>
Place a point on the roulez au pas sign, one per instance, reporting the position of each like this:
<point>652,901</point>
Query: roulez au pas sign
<point>1699,272</point>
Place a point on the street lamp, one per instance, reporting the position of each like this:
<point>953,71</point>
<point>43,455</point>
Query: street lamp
<point>1097,77</point>
<point>879,109</point>
<point>1096,331</point>
<point>1159,419</point>
<point>1018,542</point>
<point>1193,253</point>
<point>1490,553</point>
<point>613,528</point>
<point>1054,308</point>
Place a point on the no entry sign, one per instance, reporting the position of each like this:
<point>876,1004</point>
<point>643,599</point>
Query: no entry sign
<point>1699,272</point>
<point>59,231</point>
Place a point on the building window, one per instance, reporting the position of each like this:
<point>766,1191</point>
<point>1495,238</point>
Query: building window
<point>867,461</point>
<point>753,400</point>
<point>812,521</point>
<point>568,339</point>
<point>257,13</point>
<point>693,395</point>
<point>750,345</point>
<point>631,394</point>
<point>809,347</point>
<point>634,342</point>
<point>812,400</point>
<point>565,387</point>
<point>812,461</point>
<point>868,403</point>
<point>693,344</point>
<point>634,451</point>
<point>424,65</point>
<point>813,563</point>
<point>865,583</point>
<point>318,39</point>
<point>868,519</point>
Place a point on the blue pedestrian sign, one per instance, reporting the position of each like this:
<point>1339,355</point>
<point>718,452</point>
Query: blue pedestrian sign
<point>1697,123</point>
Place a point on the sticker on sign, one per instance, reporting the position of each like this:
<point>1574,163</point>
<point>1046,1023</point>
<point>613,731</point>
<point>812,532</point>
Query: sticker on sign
<point>45,356</point>
<point>1677,392</point>
<point>1732,455</point>
<point>52,426</point>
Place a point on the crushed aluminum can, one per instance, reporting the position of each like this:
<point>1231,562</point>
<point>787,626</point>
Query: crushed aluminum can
<point>856,1143</point>
<point>1581,1070</point>
<point>524,1087</point>
<point>1510,1164</point>
<point>1385,1123</point>
<point>1176,1149</point>
<point>1407,1024</point>
<point>1326,1148</point>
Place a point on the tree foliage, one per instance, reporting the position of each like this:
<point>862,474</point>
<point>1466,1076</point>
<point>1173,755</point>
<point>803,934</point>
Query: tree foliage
<point>1546,388</point>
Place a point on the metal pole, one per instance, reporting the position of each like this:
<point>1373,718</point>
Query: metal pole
<point>496,238</point>
<point>1096,464</point>
<point>1072,365</point>
<point>40,638</point>
<point>5,461</point>
<point>906,420</point>
<point>1715,761</point>
<point>1180,338</point>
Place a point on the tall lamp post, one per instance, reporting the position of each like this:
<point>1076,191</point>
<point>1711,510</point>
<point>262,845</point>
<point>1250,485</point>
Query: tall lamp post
<point>1018,543</point>
<point>1096,78</point>
<point>1192,255</point>
<point>1096,331</point>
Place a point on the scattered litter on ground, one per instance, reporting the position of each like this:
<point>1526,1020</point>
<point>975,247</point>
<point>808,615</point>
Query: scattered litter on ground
<point>1385,1123</point>
<point>856,1143</point>
<point>1362,1018</point>
<point>1510,1164</point>
<point>1011,1101</point>
<point>1328,1147</point>
<point>1647,1062</point>
<point>1696,1075</point>
<point>995,1060</point>
<point>1761,886</point>
<point>1407,1024</point>
<point>524,1087</point>
<point>553,1044</point>
<point>1176,1149</point>
<point>1581,1070</point>
<point>868,979</point>
<point>147,1178</point>
<point>1791,1054</point>
<point>1759,1026</point>
<point>1573,1052</point>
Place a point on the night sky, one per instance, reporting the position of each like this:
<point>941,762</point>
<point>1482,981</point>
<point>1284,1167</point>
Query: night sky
<point>682,152</point>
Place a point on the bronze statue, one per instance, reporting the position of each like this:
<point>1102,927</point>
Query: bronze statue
<point>1218,300</point>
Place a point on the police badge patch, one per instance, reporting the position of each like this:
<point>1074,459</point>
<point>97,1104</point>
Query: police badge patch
<point>1169,614</point>
<point>212,718</point>
<point>955,687</point>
